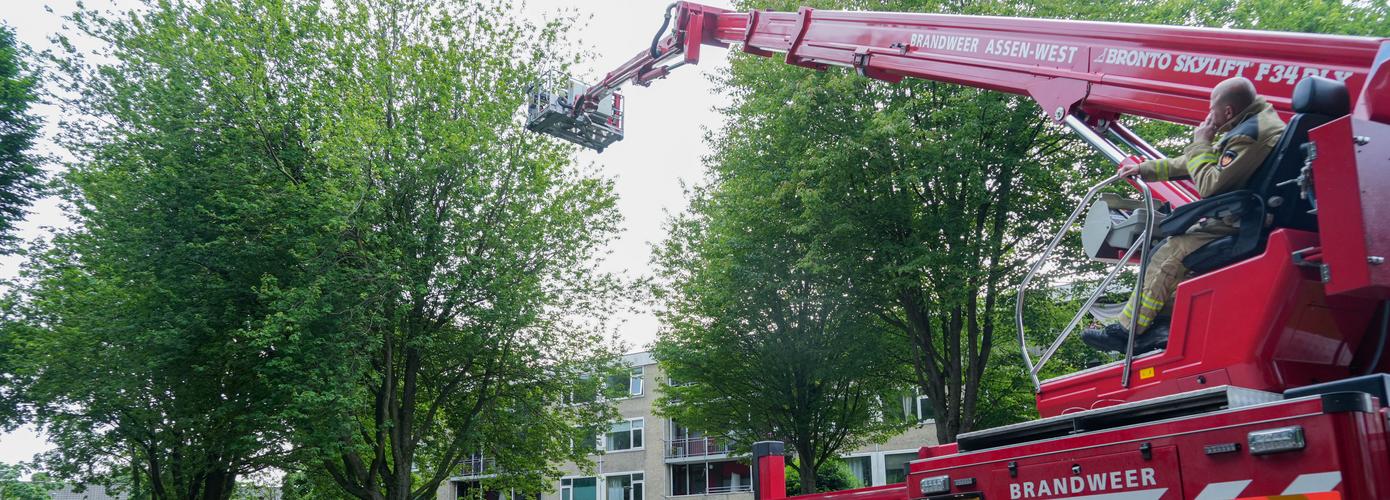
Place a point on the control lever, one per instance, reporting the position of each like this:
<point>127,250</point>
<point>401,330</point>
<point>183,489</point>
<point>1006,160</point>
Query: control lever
<point>1305,177</point>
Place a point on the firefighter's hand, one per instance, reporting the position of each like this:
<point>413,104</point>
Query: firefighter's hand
<point>1128,169</point>
<point>1205,132</point>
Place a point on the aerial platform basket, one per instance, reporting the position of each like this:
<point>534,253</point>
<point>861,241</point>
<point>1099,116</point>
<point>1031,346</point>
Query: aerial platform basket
<point>554,108</point>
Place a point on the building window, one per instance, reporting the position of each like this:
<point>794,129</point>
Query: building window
<point>729,477</point>
<point>688,479</point>
<point>924,410</point>
<point>585,441</point>
<point>916,407</point>
<point>862,468</point>
<point>579,488</point>
<point>473,490</point>
<point>625,435</point>
<point>625,385</point>
<point>712,478</point>
<point>895,466</point>
<point>585,392</point>
<point>680,432</point>
<point>624,486</point>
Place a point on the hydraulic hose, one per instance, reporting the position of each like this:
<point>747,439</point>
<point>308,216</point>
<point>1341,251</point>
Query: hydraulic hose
<point>664,24</point>
<point>1380,342</point>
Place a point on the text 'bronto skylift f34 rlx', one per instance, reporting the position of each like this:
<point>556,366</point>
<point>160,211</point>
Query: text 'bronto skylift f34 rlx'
<point>1286,398</point>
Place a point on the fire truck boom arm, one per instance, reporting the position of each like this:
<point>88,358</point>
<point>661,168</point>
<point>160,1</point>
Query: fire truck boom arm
<point>1102,69</point>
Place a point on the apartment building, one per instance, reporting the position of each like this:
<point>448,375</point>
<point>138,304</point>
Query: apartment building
<point>647,457</point>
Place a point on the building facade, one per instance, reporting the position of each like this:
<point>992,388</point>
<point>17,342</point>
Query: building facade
<point>90,492</point>
<point>647,457</point>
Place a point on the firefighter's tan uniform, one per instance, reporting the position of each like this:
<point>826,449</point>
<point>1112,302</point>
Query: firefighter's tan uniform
<point>1216,169</point>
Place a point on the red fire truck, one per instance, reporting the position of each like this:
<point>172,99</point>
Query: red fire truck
<point>1284,393</point>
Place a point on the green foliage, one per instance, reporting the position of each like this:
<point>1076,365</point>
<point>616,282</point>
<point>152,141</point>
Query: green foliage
<point>929,198</point>
<point>141,347</point>
<point>37,487</point>
<point>249,490</point>
<point>832,475</point>
<point>311,484</point>
<point>311,237</point>
<point>1308,16</point>
<point>471,268</point>
<point>20,177</point>
<point>762,344</point>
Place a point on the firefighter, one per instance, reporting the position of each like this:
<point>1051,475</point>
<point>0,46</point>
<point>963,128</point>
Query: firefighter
<point>1251,128</point>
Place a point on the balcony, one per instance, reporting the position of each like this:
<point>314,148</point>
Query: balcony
<point>477,465</point>
<point>718,477</point>
<point>724,490</point>
<point>696,447</point>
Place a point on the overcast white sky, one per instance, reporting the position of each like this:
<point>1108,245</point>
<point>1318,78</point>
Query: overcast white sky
<point>663,144</point>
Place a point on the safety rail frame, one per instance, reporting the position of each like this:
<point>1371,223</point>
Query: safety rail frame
<point>1144,244</point>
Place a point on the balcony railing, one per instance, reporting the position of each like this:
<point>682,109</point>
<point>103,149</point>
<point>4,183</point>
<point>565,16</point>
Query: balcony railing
<point>721,490</point>
<point>697,447</point>
<point>477,466</point>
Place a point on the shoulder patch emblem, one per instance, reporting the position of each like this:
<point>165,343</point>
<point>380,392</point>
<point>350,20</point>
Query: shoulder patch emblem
<point>1227,157</point>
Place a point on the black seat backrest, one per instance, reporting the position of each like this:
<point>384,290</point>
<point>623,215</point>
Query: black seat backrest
<point>1316,101</point>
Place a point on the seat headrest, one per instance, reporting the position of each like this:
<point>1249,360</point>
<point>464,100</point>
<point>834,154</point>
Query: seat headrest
<point>1323,96</point>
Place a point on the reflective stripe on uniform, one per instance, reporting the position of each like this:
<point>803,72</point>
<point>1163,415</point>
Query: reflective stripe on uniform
<point>1148,302</point>
<point>1200,161</point>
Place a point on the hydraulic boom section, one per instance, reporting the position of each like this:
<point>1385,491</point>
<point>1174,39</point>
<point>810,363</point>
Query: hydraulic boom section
<point>592,115</point>
<point>1091,69</point>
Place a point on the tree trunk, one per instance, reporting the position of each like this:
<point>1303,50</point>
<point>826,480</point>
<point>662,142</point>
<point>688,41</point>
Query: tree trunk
<point>806,456</point>
<point>218,485</point>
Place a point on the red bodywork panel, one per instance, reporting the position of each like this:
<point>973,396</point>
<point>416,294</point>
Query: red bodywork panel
<point>1346,453</point>
<point>772,482</point>
<point>1263,323</point>
<point>1352,182</point>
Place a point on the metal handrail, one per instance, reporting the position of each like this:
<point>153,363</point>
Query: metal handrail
<point>1112,152</point>
<point>697,447</point>
<point>1090,301</point>
<point>1139,281</point>
<point>723,490</point>
<point>477,465</point>
<point>1144,148</point>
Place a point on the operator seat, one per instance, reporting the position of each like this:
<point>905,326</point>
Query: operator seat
<point>1265,204</point>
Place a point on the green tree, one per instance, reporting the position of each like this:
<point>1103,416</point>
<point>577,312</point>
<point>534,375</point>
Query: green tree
<point>833,475</point>
<point>37,487</point>
<point>471,259</point>
<point>310,236</point>
<point>20,177</point>
<point>763,345</point>
<point>141,342</point>
<point>311,484</point>
<point>929,197</point>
